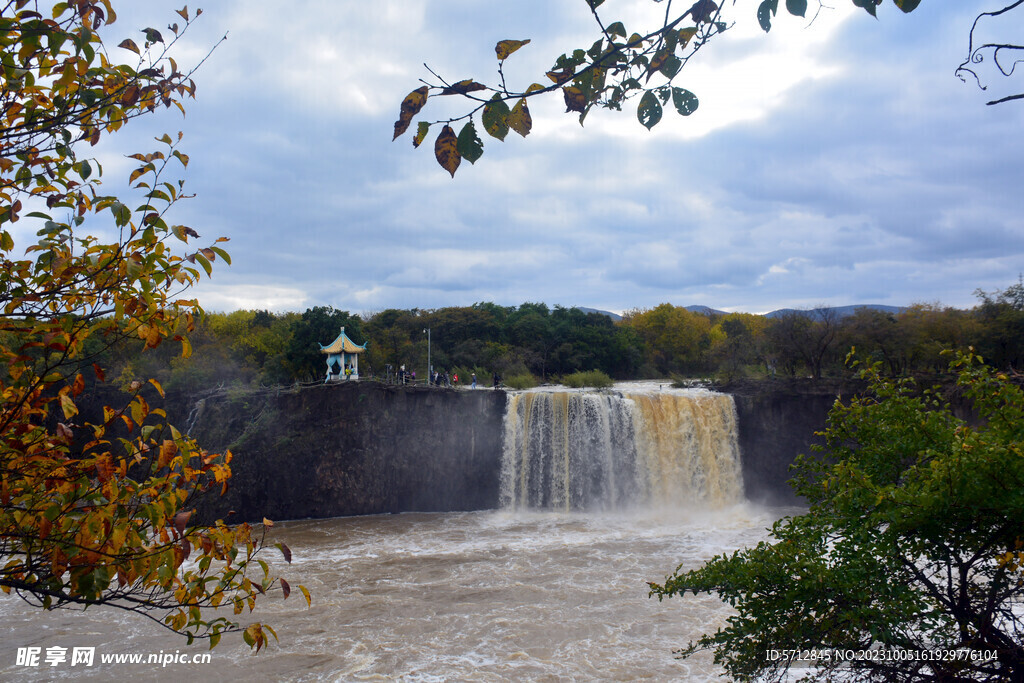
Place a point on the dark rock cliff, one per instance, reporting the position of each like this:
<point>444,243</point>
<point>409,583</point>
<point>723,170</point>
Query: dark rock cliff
<point>364,448</point>
<point>778,420</point>
<point>356,448</point>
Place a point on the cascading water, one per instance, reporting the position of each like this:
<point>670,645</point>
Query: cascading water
<point>585,450</point>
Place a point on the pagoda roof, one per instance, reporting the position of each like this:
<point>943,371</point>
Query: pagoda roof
<point>342,345</point>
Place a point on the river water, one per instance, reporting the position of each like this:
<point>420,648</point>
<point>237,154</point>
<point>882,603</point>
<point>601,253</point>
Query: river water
<point>601,493</point>
<point>486,596</point>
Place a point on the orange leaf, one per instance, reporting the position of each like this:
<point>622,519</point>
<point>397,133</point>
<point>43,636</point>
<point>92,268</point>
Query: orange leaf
<point>180,520</point>
<point>168,449</point>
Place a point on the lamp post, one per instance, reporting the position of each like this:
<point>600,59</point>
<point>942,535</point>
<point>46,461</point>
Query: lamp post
<point>429,372</point>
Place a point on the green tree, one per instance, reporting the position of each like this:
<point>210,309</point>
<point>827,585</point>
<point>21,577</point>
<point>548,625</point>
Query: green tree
<point>914,541</point>
<point>90,515</point>
<point>318,326</point>
<point>1002,316</point>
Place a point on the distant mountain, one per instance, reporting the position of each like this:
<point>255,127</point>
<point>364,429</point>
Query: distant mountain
<point>842,311</point>
<point>614,316</point>
<point>706,310</point>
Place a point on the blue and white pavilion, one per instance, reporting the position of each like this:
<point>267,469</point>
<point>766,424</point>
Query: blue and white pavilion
<point>342,358</point>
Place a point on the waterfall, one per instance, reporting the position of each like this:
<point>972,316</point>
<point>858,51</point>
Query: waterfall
<point>577,450</point>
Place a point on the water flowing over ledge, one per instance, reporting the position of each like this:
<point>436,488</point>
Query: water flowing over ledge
<point>643,445</point>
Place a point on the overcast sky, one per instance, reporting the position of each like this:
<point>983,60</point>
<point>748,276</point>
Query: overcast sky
<point>839,163</point>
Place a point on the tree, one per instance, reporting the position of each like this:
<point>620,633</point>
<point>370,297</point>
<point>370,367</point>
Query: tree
<point>913,543</point>
<point>96,512</point>
<point>626,64</point>
<point>1002,317</point>
<point>805,336</point>
<point>318,325</point>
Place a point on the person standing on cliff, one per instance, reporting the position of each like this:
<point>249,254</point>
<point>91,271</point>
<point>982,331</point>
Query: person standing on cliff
<point>474,381</point>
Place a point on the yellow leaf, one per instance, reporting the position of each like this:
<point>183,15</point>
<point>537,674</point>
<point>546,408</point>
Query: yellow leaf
<point>519,119</point>
<point>411,106</point>
<point>506,47</point>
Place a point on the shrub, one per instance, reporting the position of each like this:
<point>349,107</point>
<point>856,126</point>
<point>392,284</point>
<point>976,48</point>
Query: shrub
<point>521,381</point>
<point>588,378</point>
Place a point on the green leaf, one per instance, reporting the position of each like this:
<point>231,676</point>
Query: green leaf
<point>421,133</point>
<point>797,8</point>
<point>671,66</point>
<point>594,4</point>
<point>907,5</point>
<point>686,102</point>
<point>617,29</point>
<point>649,112</point>
<point>868,6</point>
<point>495,117</point>
<point>469,146</point>
<point>765,11</point>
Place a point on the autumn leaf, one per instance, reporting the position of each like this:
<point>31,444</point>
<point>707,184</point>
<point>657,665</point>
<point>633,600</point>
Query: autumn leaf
<point>562,75</point>
<point>463,87</point>
<point>181,520</point>
<point>446,150</point>
<point>575,100</point>
<point>519,119</point>
<point>411,105</point>
<point>506,47</point>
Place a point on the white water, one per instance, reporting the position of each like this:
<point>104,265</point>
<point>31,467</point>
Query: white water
<point>642,446</point>
<point>506,595</point>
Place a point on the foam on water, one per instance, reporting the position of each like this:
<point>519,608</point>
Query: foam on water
<point>490,596</point>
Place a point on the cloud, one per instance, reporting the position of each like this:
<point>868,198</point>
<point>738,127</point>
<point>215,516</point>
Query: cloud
<point>829,163</point>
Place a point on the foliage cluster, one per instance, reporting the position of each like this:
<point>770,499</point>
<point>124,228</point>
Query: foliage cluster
<point>619,66</point>
<point>96,511</point>
<point>913,543</point>
<point>587,378</point>
<point>251,347</point>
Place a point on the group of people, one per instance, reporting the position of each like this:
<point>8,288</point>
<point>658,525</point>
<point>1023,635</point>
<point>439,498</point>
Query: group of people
<point>438,378</point>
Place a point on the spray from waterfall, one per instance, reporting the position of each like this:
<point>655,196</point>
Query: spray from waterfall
<point>578,450</point>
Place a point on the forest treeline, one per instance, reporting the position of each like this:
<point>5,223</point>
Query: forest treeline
<point>251,348</point>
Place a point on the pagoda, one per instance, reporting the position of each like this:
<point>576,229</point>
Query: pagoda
<point>342,358</point>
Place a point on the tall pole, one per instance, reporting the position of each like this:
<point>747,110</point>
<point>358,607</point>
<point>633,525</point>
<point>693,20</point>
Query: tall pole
<point>429,373</point>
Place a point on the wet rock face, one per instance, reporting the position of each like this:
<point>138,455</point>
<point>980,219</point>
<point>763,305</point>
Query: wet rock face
<point>777,422</point>
<point>362,448</point>
<point>354,449</point>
